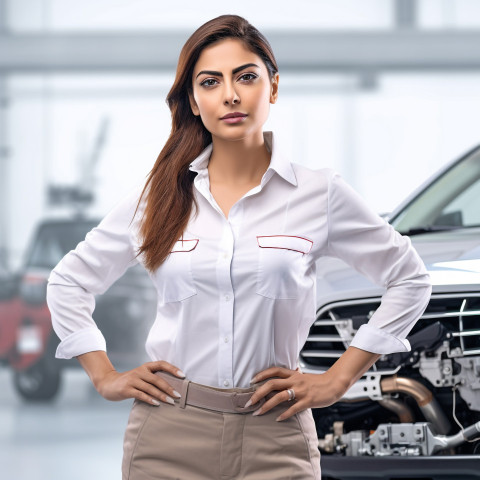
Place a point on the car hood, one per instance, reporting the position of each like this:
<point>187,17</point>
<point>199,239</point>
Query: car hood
<point>452,259</point>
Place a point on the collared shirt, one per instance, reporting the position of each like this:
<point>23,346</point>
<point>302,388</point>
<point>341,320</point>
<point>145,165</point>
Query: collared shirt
<point>237,295</point>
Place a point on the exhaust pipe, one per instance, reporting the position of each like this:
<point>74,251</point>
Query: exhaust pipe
<point>403,412</point>
<point>423,396</point>
<point>468,434</point>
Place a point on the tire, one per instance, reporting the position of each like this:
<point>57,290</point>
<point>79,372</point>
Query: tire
<point>39,382</point>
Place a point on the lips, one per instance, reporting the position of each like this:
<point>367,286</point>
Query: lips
<point>234,115</point>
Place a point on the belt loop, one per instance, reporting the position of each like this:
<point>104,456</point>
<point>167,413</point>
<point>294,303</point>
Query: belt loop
<point>184,393</point>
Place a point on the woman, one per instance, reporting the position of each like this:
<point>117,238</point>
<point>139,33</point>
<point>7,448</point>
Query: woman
<point>230,233</point>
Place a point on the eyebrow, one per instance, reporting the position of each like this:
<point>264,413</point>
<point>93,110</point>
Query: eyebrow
<point>235,70</point>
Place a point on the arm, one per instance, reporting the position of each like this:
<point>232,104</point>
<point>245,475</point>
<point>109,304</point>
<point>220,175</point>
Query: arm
<point>371,246</point>
<point>352,364</point>
<point>140,383</point>
<point>313,390</point>
<point>97,262</point>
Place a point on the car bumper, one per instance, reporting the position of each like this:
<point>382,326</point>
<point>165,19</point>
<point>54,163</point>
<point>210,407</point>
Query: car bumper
<point>458,467</point>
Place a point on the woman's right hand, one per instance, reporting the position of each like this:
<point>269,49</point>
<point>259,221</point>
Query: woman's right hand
<point>140,383</point>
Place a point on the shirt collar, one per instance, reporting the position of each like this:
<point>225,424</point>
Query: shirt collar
<point>278,163</point>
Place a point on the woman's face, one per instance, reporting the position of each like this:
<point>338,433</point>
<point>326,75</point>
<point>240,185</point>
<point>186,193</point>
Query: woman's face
<point>229,78</point>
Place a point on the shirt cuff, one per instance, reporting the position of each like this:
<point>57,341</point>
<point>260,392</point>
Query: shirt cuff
<point>80,342</point>
<point>376,340</point>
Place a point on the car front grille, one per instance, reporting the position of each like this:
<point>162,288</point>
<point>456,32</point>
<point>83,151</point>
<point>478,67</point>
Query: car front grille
<point>337,323</point>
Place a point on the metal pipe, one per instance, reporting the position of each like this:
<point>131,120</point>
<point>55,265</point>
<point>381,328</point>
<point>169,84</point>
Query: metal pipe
<point>424,398</point>
<point>405,415</point>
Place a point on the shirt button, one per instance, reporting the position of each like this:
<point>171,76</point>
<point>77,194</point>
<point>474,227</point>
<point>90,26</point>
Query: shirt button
<point>226,383</point>
<point>227,298</point>
<point>225,255</point>
<point>225,339</point>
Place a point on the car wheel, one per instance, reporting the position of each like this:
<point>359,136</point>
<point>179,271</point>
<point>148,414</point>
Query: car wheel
<point>41,381</point>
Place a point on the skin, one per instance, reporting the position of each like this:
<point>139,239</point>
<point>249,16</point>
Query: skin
<point>140,383</point>
<point>239,156</point>
<point>311,390</point>
<point>238,161</point>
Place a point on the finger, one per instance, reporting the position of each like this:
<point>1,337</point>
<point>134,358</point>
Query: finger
<point>148,394</point>
<point>266,388</point>
<point>272,372</point>
<point>272,402</point>
<point>295,408</point>
<point>160,384</point>
<point>166,367</point>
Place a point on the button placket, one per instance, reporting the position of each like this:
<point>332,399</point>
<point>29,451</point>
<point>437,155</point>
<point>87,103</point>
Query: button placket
<point>226,304</point>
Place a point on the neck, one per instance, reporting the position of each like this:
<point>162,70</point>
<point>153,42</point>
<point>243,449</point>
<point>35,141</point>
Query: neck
<point>238,162</point>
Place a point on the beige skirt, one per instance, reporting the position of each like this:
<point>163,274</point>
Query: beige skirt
<point>208,442</point>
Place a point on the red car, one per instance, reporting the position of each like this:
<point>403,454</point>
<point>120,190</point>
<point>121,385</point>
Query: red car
<point>27,341</point>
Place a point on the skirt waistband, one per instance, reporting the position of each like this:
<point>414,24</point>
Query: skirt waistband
<point>211,398</point>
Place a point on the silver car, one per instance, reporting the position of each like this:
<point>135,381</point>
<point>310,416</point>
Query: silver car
<point>414,414</point>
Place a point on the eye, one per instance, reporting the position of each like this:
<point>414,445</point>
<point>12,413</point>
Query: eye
<point>251,75</point>
<point>210,82</point>
<point>204,83</point>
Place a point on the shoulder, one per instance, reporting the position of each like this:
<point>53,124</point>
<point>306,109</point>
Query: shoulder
<point>133,195</point>
<point>307,176</point>
<point>126,206</point>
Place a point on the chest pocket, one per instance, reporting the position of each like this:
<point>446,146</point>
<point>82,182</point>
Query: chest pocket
<point>174,279</point>
<point>281,265</point>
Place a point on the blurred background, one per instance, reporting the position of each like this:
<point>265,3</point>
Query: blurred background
<point>384,91</point>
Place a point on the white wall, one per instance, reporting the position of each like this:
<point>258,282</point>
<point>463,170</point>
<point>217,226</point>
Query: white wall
<point>385,140</point>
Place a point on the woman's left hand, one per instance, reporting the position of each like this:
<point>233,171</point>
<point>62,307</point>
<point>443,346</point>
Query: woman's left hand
<point>310,390</point>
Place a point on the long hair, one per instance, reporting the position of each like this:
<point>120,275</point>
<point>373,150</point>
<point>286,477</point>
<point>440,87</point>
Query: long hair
<point>169,186</point>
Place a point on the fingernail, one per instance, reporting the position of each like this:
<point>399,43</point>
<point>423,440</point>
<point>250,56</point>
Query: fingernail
<point>180,374</point>
<point>257,412</point>
<point>170,400</point>
<point>253,380</point>
<point>248,404</point>
<point>176,394</point>
<point>279,419</point>
<point>155,402</point>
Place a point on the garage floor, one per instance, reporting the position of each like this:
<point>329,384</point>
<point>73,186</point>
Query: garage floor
<point>76,437</point>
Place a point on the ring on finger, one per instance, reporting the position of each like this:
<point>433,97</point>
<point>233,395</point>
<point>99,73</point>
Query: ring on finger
<point>291,394</point>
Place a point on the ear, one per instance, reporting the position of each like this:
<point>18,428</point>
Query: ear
<point>274,88</point>
<point>193,104</point>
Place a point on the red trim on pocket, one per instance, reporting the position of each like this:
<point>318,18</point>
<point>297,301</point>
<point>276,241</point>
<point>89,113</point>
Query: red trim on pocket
<point>285,248</point>
<point>182,241</point>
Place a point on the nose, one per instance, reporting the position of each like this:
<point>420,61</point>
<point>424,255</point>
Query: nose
<point>231,95</point>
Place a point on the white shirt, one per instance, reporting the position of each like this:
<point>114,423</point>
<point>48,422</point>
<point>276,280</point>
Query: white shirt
<point>238,294</point>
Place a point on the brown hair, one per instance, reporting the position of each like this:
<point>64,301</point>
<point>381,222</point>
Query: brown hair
<point>170,196</point>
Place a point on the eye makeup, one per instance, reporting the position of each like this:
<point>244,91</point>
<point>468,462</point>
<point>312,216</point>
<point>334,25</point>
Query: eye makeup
<point>253,76</point>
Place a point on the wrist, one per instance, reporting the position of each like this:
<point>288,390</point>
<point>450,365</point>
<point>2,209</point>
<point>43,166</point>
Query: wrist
<point>353,363</point>
<point>98,367</point>
<point>338,383</point>
<point>99,381</point>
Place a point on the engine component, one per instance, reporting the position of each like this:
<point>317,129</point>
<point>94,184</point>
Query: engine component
<point>422,395</point>
<point>437,369</point>
<point>468,381</point>
<point>400,439</point>
<point>413,439</point>
<point>463,372</point>
<point>403,412</point>
<point>426,339</point>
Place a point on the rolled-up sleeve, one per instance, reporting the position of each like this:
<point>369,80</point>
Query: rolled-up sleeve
<point>96,263</point>
<point>369,244</point>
